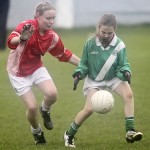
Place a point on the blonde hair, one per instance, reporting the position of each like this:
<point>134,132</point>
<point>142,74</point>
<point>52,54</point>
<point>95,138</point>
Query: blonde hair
<point>43,7</point>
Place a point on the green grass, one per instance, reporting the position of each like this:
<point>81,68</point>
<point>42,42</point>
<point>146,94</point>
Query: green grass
<point>105,132</point>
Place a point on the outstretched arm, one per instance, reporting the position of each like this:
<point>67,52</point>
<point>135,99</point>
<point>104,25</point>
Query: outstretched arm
<point>74,60</point>
<point>24,36</point>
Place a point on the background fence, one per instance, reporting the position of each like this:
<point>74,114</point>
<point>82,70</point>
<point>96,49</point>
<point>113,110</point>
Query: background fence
<point>79,13</point>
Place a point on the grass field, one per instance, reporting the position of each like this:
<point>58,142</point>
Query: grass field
<point>100,132</point>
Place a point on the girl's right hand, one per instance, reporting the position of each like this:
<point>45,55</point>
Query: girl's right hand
<point>26,33</point>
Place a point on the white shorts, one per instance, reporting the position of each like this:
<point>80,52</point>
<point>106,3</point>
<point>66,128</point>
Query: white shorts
<point>90,84</point>
<point>24,84</point>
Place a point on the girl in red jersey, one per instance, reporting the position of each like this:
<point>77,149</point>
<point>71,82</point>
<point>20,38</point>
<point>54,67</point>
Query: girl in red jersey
<point>28,42</point>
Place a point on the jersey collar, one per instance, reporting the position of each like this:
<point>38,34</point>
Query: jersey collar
<point>112,43</point>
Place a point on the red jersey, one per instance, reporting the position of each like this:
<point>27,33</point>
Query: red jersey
<point>25,58</point>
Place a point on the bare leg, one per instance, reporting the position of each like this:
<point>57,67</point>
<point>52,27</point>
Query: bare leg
<point>124,90</point>
<point>50,95</point>
<point>32,109</point>
<point>87,110</point>
<point>50,92</point>
<point>85,113</point>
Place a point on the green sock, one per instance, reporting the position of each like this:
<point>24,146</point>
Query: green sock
<point>129,123</point>
<point>73,129</point>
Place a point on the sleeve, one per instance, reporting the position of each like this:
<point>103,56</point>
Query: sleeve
<point>83,65</point>
<point>123,64</point>
<point>11,36</point>
<point>59,51</point>
<point>15,33</point>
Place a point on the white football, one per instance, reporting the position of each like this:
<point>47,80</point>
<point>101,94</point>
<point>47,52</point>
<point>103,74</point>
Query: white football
<point>102,101</point>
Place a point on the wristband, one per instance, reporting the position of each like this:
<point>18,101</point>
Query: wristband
<point>21,40</point>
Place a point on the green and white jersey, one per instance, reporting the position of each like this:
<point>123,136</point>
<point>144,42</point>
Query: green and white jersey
<point>94,58</point>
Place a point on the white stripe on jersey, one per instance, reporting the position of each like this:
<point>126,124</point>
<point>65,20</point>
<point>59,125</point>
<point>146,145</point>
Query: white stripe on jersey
<point>109,61</point>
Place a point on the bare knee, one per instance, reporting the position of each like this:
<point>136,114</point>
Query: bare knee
<point>128,97</point>
<point>32,109</point>
<point>88,111</point>
<point>51,96</point>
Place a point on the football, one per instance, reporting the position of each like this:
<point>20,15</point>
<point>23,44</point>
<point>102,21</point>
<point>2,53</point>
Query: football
<point>102,101</point>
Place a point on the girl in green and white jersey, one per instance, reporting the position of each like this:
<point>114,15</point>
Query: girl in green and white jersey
<point>104,65</point>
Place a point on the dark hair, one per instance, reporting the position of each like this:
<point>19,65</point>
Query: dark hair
<point>107,20</point>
